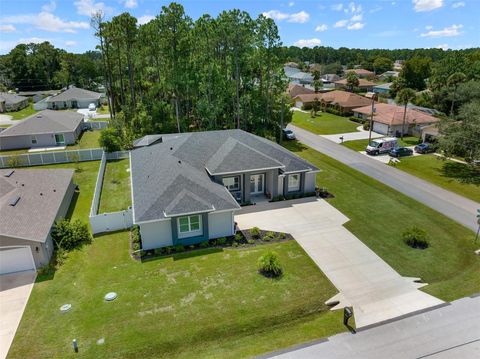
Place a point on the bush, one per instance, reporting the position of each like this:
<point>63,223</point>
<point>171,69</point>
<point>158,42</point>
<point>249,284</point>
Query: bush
<point>255,232</point>
<point>69,235</point>
<point>13,162</point>
<point>238,237</point>
<point>179,248</point>
<point>221,241</point>
<point>415,238</point>
<point>136,234</point>
<point>269,236</point>
<point>357,119</point>
<point>168,249</point>
<point>366,126</point>
<point>282,235</point>
<point>109,140</point>
<point>250,241</point>
<point>203,244</point>
<point>159,251</point>
<point>136,247</point>
<point>269,265</point>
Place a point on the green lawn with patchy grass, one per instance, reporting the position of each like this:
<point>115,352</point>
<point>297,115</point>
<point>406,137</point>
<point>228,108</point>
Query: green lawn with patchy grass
<point>116,187</point>
<point>23,113</point>
<point>324,124</point>
<point>379,215</point>
<point>361,145</point>
<point>453,176</point>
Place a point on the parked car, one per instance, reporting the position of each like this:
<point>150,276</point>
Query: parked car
<point>92,107</point>
<point>288,134</point>
<point>401,152</point>
<point>425,148</point>
<point>381,145</point>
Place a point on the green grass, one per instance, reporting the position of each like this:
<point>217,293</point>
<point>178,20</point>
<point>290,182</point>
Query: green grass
<point>116,187</point>
<point>360,145</point>
<point>453,176</point>
<point>378,216</point>
<point>103,110</point>
<point>324,124</point>
<point>20,115</point>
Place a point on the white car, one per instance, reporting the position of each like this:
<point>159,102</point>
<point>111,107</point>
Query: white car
<point>92,107</point>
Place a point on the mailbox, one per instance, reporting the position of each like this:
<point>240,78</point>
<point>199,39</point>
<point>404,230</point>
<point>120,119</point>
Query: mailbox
<point>347,313</point>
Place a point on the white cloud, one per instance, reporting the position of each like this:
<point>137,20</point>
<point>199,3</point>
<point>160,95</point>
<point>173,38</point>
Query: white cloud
<point>50,7</point>
<point>449,31</point>
<point>352,8</point>
<point>426,5</point>
<point>357,17</point>
<point>299,17</point>
<point>429,27</point>
<point>6,46</point>
<point>90,7</point>
<point>70,43</point>
<point>47,22</point>
<point>130,4</point>
<point>7,28</point>
<point>291,3</point>
<point>375,9</point>
<point>459,4</point>
<point>308,42</point>
<point>444,47</point>
<point>337,7</point>
<point>341,23</point>
<point>321,28</point>
<point>142,20</point>
<point>356,26</point>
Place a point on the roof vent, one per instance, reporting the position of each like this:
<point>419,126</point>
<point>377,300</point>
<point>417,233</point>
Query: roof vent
<point>13,201</point>
<point>41,194</point>
<point>171,148</point>
<point>9,173</point>
<point>54,190</point>
<point>179,162</point>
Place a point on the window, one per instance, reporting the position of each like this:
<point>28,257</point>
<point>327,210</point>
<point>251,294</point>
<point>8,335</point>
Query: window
<point>189,226</point>
<point>294,182</point>
<point>232,183</point>
<point>59,139</point>
<point>34,140</point>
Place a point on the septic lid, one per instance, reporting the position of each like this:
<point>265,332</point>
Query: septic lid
<point>110,296</point>
<point>65,308</point>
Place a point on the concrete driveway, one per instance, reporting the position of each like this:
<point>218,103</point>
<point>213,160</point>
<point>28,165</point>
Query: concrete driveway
<point>376,292</point>
<point>6,120</point>
<point>351,136</point>
<point>15,290</point>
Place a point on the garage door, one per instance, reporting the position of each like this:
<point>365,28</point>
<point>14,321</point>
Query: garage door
<point>16,259</point>
<point>380,128</point>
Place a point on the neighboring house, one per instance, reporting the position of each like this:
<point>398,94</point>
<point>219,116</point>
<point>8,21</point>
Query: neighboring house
<point>74,97</point>
<point>430,133</point>
<point>43,129</point>
<point>362,84</point>
<point>31,200</point>
<point>305,101</point>
<point>388,75</point>
<point>384,88</point>
<point>397,65</point>
<point>301,78</point>
<point>296,89</point>
<point>343,101</point>
<point>330,78</point>
<point>388,119</point>
<point>362,73</point>
<point>12,102</point>
<point>38,95</point>
<point>187,187</point>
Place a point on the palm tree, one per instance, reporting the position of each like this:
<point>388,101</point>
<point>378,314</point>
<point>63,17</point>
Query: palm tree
<point>403,98</point>
<point>454,80</point>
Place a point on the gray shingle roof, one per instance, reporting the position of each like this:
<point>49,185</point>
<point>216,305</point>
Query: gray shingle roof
<point>11,98</point>
<point>146,140</point>
<point>75,93</point>
<point>41,193</point>
<point>170,177</point>
<point>46,121</point>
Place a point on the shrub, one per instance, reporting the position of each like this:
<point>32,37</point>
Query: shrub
<point>69,235</point>
<point>269,265</point>
<point>221,241</point>
<point>136,234</point>
<point>238,237</point>
<point>269,236</point>
<point>213,242</point>
<point>179,248</point>
<point>203,244</point>
<point>136,247</point>
<point>158,251</point>
<point>282,235</point>
<point>415,238</point>
<point>357,119</point>
<point>251,241</point>
<point>13,162</point>
<point>168,249</point>
<point>60,256</point>
<point>366,126</point>
<point>255,232</point>
<point>109,140</point>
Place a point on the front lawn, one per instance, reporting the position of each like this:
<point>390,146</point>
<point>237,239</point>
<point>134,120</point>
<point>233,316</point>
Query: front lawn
<point>116,187</point>
<point>378,216</point>
<point>324,123</point>
<point>361,145</point>
<point>453,176</point>
<point>23,113</point>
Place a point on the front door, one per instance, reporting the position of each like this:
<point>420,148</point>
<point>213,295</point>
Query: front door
<point>256,184</point>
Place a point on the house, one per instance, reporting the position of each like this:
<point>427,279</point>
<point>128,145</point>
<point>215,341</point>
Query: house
<point>343,101</point>
<point>31,200</point>
<point>12,102</point>
<point>383,88</point>
<point>387,75</point>
<point>187,187</point>
<point>430,132</point>
<point>74,97</point>
<point>362,84</point>
<point>43,129</point>
<point>397,65</point>
<point>301,77</point>
<point>330,78</point>
<point>388,119</point>
<point>306,101</point>
<point>38,95</point>
<point>361,73</point>
<point>294,90</point>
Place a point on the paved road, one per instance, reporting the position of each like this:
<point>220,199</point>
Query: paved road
<point>452,331</point>
<point>376,291</point>
<point>449,204</point>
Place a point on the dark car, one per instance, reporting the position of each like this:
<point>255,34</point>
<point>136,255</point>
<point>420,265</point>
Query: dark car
<point>401,152</point>
<point>288,134</point>
<point>425,148</point>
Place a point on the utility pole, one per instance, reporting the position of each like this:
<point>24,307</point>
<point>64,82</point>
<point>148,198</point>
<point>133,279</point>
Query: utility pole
<point>281,119</point>
<point>374,96</point>
<point>478,222</point>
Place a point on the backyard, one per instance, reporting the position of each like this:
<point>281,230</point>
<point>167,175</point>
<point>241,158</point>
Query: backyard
<point>23,113</point>
<point>116,187</point>
<point>378,216</point>
<point>324,123</point>
<point>360,145</point>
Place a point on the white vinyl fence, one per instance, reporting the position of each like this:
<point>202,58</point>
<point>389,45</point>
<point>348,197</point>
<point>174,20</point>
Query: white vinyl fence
<point>107,222</point>
<point>95,125</point>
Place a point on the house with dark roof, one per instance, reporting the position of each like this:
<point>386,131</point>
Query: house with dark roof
<point>12,102</point>
<point>31,200</point>
<point>187,187</point>
<point>74,97</point>
<point>44,129</point>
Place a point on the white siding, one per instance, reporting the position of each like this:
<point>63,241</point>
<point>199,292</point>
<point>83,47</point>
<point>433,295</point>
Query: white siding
<point>156,234</point>
<point>310,179</point>
<point>298,104</point>
<point>280,184</point>
<point>220,224</point>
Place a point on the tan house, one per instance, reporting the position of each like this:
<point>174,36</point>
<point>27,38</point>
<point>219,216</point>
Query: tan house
<point>362,84</point>
<point>362,73</point>
<point>341,101</point>
<point>305,101</point>
<point>296,89</point>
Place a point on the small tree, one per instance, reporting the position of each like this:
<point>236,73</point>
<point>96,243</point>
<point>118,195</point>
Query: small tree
<point>315,107</point>
<point>352,81</point>
<point>269,265</point>
<point>13,162</point>
<point>404,97</point>
<point>69,235</point>
<point>453,81</point>
<point>415,238</point>
<point>109,140</point>
<point>75,158</point>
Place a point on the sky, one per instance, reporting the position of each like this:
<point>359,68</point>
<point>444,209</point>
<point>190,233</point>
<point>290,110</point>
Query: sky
<point>446,24</point>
